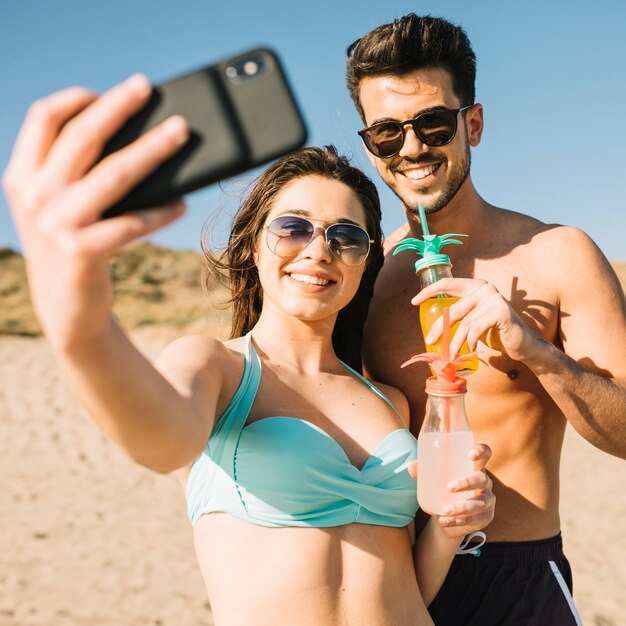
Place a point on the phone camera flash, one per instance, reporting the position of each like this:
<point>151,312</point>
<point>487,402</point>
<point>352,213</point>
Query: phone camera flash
<point>251,68</point>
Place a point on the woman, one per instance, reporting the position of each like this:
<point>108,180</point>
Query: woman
<point>295,466</point>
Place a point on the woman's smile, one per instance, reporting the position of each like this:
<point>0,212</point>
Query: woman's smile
<point>309,279</point>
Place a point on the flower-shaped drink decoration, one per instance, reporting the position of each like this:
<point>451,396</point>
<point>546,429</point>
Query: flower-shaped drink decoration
<point>443,367</point>
<point>431,244</point>
<point>429,248</point>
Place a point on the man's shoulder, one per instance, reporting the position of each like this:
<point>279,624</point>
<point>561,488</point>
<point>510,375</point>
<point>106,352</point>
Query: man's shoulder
<point>519,230</point>
<point>522,224</point>
<point>562,239</point>
<point>501,235</point>
<point>397,235</point>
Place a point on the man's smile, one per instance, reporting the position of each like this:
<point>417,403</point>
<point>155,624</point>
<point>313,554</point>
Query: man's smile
<point>419,173</point>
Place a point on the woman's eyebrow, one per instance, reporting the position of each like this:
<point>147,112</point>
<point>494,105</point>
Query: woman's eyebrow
<point>309,215</point>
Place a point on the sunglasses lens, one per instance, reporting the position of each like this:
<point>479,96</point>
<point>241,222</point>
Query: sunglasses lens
<point>288,235</point>
<point>349,243</point>
<point>351,48</point>
<point>384,140</point>
<point>436,128</point>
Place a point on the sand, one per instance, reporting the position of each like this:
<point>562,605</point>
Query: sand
<point>88,537</point>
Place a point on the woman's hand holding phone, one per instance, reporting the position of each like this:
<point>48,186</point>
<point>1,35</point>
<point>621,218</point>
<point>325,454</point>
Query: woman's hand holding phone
<point>80,157</point>
<point>57,191</point>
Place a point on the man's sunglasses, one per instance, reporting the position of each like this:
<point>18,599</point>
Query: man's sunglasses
<point>351,47</point>
<point>433,128</point>
<point>288,235</point>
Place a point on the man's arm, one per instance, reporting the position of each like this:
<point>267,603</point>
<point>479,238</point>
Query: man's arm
<point>587,379</point>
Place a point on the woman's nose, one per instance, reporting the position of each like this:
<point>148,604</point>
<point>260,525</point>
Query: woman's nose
<point>317,248</point>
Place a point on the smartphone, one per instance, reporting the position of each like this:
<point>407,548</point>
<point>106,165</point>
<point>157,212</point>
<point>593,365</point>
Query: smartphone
<point>241,113</point>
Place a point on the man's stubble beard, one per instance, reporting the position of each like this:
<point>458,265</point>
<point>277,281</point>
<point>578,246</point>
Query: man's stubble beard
<point>458,177</point>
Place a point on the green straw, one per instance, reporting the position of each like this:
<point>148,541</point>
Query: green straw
<point>423,222</point>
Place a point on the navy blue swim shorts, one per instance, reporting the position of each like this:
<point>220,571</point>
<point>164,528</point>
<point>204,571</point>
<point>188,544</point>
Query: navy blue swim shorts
<point>527,583</point>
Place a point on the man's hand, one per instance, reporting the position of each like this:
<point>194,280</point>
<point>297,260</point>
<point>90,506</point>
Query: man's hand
<point>483,315</point>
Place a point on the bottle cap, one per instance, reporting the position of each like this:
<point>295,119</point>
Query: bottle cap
<point>440,386</point>
<point>431,260</point>
<point>429,248</point>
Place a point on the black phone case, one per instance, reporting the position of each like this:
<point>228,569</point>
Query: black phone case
<point>238,120</point>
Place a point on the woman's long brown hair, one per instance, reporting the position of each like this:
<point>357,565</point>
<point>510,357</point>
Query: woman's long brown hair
<point>238,259</point>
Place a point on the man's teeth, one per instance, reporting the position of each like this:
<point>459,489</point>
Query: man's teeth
<point>312,280</point>
<point>421,173</point>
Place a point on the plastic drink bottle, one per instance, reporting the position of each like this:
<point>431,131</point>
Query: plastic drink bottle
<point>443,444</point>
<point>430,269</point>
<point>434,266</point>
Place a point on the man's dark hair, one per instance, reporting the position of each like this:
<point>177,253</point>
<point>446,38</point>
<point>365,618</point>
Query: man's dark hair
<point>412,43</point>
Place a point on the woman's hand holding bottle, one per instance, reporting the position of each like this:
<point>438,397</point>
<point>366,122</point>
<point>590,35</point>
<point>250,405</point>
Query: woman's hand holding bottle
<point>477,510</point>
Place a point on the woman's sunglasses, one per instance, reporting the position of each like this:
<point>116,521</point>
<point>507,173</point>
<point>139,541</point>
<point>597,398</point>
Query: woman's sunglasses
<point>433,128</point>
<point>288,235</point>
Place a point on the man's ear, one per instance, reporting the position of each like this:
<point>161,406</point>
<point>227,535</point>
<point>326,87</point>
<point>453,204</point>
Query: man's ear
<point>475,124</point>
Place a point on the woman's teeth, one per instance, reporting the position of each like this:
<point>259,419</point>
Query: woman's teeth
<point>311,280</point>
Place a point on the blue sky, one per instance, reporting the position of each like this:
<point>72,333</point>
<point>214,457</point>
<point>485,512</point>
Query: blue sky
<point>550,76</point>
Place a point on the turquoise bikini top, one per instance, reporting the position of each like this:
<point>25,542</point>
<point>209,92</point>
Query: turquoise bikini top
<point>284,471</point>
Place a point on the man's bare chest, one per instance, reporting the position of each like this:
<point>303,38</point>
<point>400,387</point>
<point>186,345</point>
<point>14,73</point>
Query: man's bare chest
<point>393,333</point>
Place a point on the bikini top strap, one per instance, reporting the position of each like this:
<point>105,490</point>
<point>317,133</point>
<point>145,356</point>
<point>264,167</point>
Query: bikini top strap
<point>375,389</point>
<point>234,417</point>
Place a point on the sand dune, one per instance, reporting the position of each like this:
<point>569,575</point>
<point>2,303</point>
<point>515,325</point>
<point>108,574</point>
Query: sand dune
<point>90,538</point>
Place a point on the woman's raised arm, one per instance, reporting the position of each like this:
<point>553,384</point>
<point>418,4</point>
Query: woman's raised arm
<point>57,191</point>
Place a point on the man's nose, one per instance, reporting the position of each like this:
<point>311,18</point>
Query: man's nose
<point>413,145</point>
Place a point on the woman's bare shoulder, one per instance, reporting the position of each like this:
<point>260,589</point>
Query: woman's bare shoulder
<point>397,399</point>
<point>195,356</point>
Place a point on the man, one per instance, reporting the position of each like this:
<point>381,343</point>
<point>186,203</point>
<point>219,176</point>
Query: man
<point>553,353</point>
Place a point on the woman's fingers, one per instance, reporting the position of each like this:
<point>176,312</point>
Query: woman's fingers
<point>57,196</point>
<point>476,480</point>
<point>477,510</point>
<point>474,513</point>
<point>40,129</point>
<point>480,454</point>
<point>469,522</point>
<point>106,236</point>
<point>115,176</point>
<point>476,504</point>
<point>82,139</point>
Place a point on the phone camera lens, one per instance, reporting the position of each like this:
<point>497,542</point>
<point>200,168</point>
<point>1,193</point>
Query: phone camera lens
<point>250,68</point>
<point>246,68</point>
